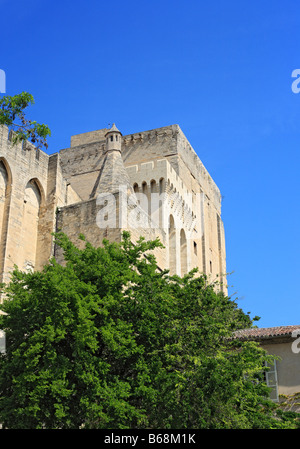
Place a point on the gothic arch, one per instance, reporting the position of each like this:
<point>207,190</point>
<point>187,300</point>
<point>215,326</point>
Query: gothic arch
<point>153,186</point>
<point>183,253</point>
<point>162,185</point>
<point>172,245</point>
<point>161,204</point>
<point>40,188</point>
<point>154,201</point>
<point>34,200</point>
<point>145,203</point>
<point>5,198</point>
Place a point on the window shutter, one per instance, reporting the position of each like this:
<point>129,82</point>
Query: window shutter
<point>271,380</point>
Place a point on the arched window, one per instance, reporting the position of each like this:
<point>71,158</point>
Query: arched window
<point>183,252</point>
<point>172,246</point>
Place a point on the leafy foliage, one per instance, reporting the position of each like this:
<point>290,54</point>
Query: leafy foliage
<point>109,341</point>
<point>12,115</point>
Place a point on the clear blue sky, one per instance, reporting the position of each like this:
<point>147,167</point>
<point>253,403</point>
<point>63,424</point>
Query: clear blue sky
<point>221,70</point>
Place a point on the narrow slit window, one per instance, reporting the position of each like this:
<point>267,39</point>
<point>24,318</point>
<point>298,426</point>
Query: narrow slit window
<point>195,248</point>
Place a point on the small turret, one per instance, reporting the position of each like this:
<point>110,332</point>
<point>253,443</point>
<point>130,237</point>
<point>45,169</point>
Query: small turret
<point>113,139</point>
<point>112,174</point>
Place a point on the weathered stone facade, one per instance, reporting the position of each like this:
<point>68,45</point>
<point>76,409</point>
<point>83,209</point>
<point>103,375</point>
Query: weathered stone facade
<point>150,183</point>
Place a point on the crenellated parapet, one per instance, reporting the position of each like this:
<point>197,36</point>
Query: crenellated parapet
<point>169,194</point>
<point>159,182</point>
<point>31,186</point>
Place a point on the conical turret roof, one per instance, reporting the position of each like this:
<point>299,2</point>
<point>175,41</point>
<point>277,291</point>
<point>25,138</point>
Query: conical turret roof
<point>113,129</point>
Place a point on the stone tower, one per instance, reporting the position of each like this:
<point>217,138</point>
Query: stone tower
<point>113,139</point>
<point>151,183</point>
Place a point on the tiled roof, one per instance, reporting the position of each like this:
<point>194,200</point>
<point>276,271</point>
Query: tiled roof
<point>266,332</point>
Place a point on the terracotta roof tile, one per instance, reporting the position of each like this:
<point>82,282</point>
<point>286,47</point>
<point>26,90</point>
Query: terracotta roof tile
<point>266,332</point>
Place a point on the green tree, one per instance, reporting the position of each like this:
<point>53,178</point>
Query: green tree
<point>12,114</point>
<point>109,341</point>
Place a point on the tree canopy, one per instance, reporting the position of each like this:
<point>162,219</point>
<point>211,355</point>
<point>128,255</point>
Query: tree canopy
<point>107,340</point>
<point>12,114</point>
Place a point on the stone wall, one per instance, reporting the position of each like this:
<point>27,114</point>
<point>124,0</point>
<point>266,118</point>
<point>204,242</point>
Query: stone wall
<point>24,217</point>
<point>41,192</point>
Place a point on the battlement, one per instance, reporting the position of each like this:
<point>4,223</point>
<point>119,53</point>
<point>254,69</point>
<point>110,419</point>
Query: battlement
<point>41,192</point>
<point>155,171</point>
<point>24,155</point>
<point>88,137</point>
<point>147,147</point>
<point>26,148</point>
